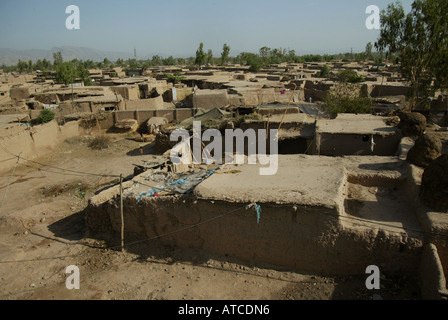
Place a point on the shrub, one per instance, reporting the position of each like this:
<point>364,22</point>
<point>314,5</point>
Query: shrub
<point>174,78</point>
<point>324,72</point>
<point>347,98</point>
<point>349,76</point>
<point>100,142</point>
<point>254,61</point>
<point>45,116</point>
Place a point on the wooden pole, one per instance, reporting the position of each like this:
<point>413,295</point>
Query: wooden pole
<point>122,214</point>
<point>267,126</point>
<point>286,110</point>
<point>72,97</point>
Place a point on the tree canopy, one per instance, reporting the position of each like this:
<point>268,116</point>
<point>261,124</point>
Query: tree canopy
<point>225,54</point>
<point>66,72</point>
<point>419,40</point>
<point>201,56</point>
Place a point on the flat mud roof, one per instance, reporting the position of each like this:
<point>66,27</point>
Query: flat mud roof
<point>300,179</point>
<point>355,124</point>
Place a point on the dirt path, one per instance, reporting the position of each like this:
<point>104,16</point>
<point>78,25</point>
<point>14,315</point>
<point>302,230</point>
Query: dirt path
<point>42,232</point>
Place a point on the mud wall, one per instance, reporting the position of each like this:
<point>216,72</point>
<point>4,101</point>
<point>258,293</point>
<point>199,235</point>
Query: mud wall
<point>33,142</point>
<point>209,99</point>
<point>433,281</point>
<point>145,104</point>
<point>303,238</point>
<point>389,90</point>
<point>436,228</point>
<point>144,115</point>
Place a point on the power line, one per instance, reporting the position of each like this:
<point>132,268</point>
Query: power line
<point>40,259</point>
<point>9,183</point>
<point>177,231</point>
<point>80,173</point>
<point>117,247</point>
<point>8,159</point>
<point>61,169</point>
<point>73,171</point>
<point>65,173</point>
<point>219,217</point>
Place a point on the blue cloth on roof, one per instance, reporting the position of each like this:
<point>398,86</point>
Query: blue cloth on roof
<point>152,192</point>
<point>258,209</point>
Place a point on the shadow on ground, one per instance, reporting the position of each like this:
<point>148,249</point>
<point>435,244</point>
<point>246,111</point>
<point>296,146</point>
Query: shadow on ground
<point>71,228</point>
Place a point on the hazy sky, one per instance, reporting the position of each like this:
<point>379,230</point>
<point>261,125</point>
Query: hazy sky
<point>176,27</point>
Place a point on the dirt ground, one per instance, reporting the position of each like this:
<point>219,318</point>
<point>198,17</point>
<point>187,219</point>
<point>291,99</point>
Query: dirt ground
<point>42,232</point>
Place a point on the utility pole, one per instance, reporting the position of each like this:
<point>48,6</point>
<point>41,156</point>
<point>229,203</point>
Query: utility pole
<point>121,213</point>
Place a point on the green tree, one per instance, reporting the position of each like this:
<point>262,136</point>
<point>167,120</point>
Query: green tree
<point>66,73</point>
<point>156,60</point>
<point>265,52</point>
<point>201,56</point>
<point>22,66</point>
<point>368,52</point>
<point>89,64</point>
<point>291,55</point>
<point>254,61</point>
<point>45,116</point>
<point>106,63</point>
<point>225,54</point>
<point>46,65</point>
<point>132,63</point>
<point>324,72</point>
<point>119,62</point>
<point>420,41</point>
<point>328,58</point>
<point>312,58</point>
<point>347,98</point>
<point>170,61</point>
<point>174,78</point>
<point>278,56</point>
<point>350,76</point>
<point>57,58</point>
<point>83,74</point>
<point>38,65</point>
<point>181,61</point>
<point>210,57</point>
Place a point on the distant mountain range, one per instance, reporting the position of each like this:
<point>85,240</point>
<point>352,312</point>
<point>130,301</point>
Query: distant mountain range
<point>11,57</point>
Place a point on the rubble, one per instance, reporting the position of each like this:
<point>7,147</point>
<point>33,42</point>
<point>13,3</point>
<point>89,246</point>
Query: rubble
<point>427,148</point>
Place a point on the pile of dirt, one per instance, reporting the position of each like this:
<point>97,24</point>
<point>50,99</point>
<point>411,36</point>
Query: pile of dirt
<point>100,142</point>
<point>434,188</point>
<point>427,148</point>
<point>412,124</point>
